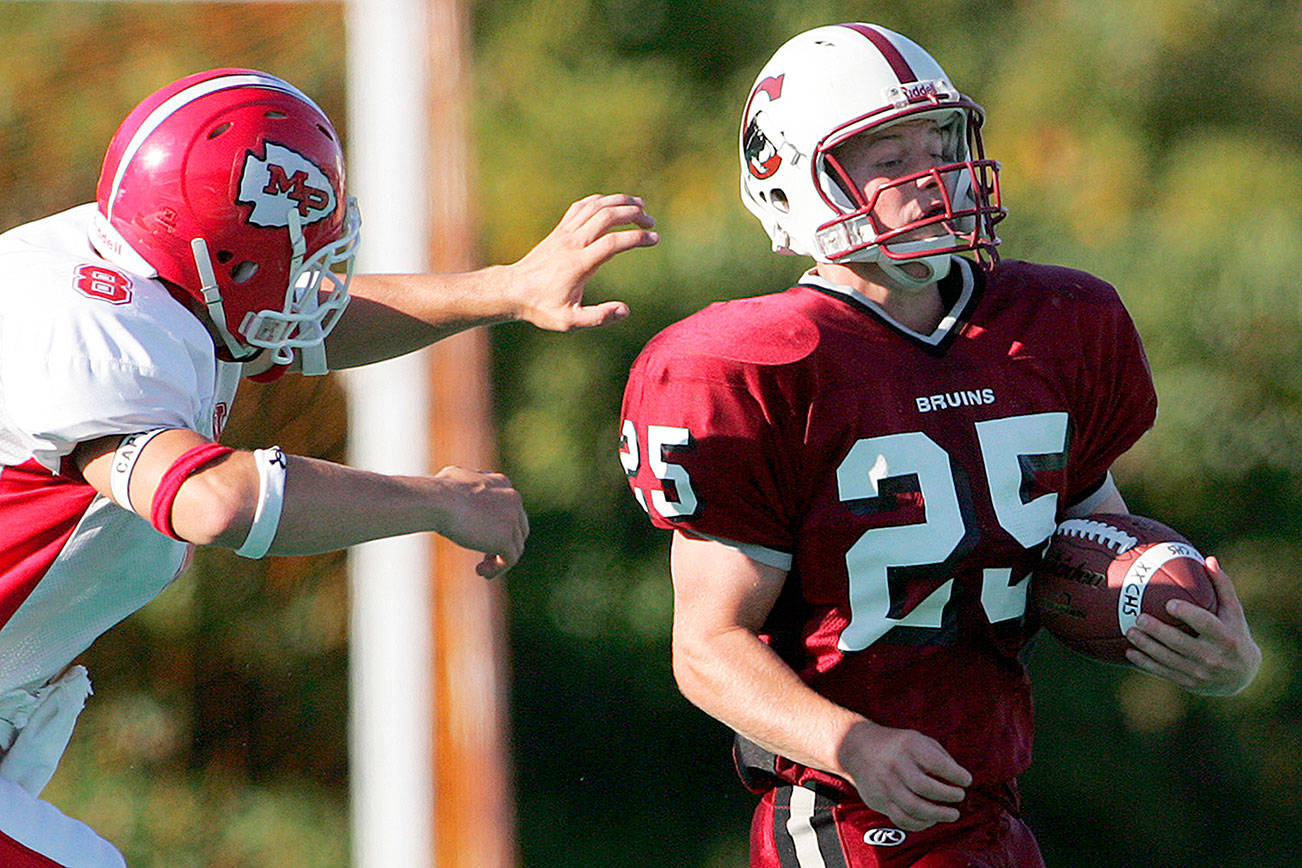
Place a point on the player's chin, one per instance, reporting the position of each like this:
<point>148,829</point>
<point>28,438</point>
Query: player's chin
<point>916,270</point>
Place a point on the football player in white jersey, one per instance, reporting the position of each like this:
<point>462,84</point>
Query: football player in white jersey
<point>220,246</point>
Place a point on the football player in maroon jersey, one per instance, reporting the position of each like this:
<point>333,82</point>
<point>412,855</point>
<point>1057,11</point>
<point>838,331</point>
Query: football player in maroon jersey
<point>860,472</point>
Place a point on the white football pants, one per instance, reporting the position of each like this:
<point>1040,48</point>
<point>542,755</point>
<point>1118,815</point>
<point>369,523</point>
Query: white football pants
<point>35,834</point>
<point>34,732</point>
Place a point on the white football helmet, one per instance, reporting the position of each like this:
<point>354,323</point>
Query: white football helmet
<point>827,85</point>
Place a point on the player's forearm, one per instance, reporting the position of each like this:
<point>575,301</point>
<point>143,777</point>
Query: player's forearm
<point>394,314</point>
<point>326,506</point>
<point>743,683</point>
<point>289,505</point>
<point>329,507</point>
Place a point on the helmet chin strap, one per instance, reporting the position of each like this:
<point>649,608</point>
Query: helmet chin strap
<point>212,299</point>
<point>313,355</point>
<point>936,268</point>
<point>836,237</point>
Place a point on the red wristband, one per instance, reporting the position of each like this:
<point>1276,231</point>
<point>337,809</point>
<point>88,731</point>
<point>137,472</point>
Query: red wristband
<point>192,460</point>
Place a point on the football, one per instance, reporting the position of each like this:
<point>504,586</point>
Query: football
<point>1099,573</point>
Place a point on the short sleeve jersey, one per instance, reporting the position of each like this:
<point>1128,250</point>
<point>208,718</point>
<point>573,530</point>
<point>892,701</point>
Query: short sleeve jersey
<point>87,350</point>
<point>907,482</point>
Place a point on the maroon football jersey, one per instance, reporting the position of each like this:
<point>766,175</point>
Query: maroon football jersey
<point>909,481</point>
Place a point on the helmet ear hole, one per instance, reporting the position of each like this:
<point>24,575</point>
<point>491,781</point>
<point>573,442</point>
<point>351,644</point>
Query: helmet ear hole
<point>218,130</point>
<point>779,200</point>
<point>244,271</point>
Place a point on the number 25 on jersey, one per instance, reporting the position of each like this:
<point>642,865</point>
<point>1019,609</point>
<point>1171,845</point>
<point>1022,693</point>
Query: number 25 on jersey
<point>1009,446</point>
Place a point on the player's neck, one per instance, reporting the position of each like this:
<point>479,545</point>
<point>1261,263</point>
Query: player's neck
<point>200,313</point>
<point>919,309</point>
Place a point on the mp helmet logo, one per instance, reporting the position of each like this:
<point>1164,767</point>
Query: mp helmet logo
<point>281,180</point>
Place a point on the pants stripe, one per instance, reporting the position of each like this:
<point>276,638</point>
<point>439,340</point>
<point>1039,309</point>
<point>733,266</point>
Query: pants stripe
<point>800,824</point>
<point>804,830</point>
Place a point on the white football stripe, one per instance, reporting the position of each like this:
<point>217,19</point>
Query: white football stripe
<point>1099,531</point>
<point>185,97</point>
<point>1133,586</point>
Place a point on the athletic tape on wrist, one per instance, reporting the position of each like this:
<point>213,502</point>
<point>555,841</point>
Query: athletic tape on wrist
<point>271,500</point>
<point>124,462</point>
<point>191,461</point>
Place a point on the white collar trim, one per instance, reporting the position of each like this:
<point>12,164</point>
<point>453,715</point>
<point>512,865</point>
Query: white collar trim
<point>947,322</point>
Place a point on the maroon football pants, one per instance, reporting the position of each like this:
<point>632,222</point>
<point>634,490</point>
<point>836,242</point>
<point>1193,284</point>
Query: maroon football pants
<point>795,827</point>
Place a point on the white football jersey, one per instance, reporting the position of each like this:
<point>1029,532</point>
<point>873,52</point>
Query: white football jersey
<point>87,349</point>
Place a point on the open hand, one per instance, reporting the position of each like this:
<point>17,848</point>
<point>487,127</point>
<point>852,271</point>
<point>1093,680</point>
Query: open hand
<point>550,279</point>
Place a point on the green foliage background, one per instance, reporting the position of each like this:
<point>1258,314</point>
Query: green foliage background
<point>1153,144</point>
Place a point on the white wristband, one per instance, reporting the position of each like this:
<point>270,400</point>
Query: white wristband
<point>124,462</point>
<point>271,499</point>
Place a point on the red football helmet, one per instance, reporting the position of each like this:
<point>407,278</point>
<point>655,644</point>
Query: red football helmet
<point>229,184</point>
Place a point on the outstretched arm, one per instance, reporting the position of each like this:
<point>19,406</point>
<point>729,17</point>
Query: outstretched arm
<point>326,506</point>
<point>393,314</point>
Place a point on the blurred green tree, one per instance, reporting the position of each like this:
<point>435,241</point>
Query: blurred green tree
<point>1152,144</point>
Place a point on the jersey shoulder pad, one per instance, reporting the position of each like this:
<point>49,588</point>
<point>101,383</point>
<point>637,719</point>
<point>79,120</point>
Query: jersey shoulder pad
<point>88,350</point>
<point>1069,284</point>
<point>760,331</point>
